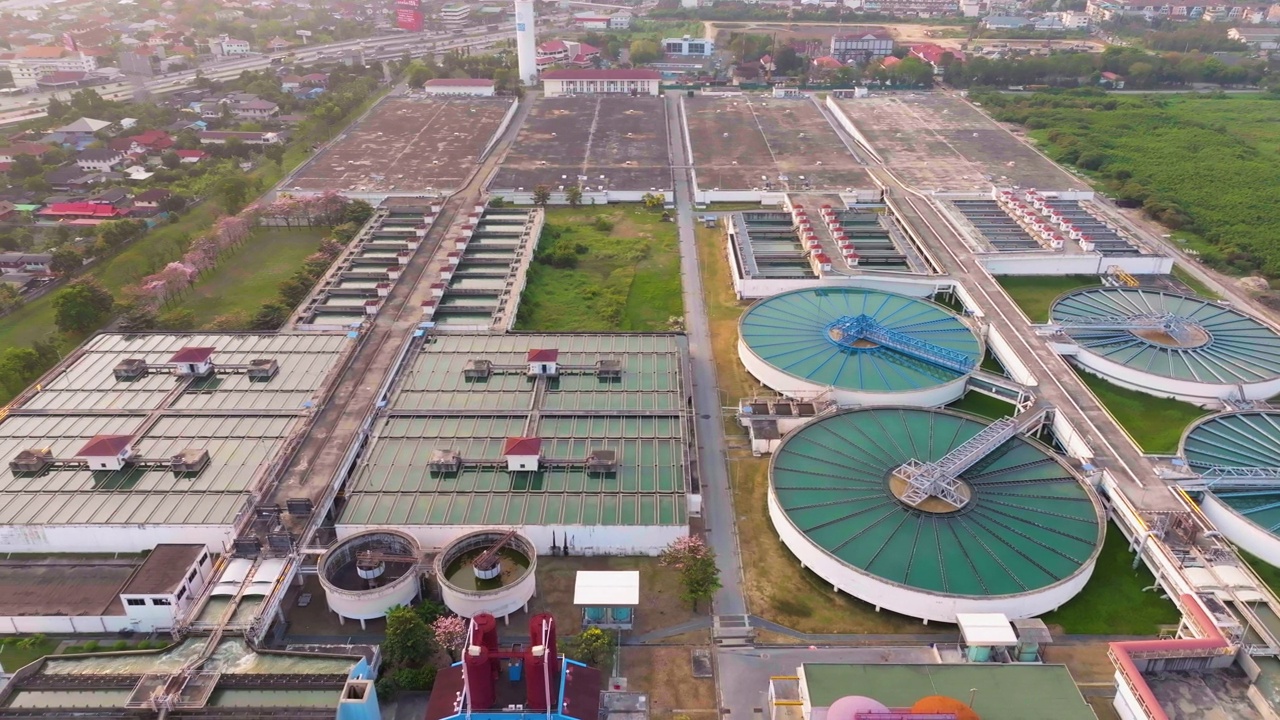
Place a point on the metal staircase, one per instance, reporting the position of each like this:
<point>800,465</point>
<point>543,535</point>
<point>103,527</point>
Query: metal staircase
<point>941,479</point>
<point>850,330</point>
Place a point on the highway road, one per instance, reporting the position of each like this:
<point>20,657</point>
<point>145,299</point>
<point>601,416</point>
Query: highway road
<point>24,107</point>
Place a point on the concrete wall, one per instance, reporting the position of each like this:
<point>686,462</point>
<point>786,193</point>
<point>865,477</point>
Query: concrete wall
<point>1240,530</point>
<point>502,128</point>
<point>845,122</point>
<point>1008,357</point>
<point>1047,263</point>
<point>66,625</point>
<point>767,287</point>
<point>1200,393</point>
<point>109,538</point>
<point>919,603</point>
<point>583,539</point>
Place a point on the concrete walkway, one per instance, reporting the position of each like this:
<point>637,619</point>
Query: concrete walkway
<point>717,502</point>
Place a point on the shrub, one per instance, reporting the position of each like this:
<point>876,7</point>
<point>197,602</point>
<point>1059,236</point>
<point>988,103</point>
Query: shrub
<point>120,645</point>
<point>603,224</point>
<point>91,646</point>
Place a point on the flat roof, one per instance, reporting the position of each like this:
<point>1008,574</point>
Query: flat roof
<point>163,569</point>
<point>641,416</point>
<point>63,585</point>
<point>242,425</point>
<point>607,587</point>
<point>1004,692</point>
<point>986,629</point>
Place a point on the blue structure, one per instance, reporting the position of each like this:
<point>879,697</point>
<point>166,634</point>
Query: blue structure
<point>861,333</point>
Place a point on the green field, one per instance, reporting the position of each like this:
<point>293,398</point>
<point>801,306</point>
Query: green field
<point>1196,286</point>
<point>250,277</point>
<point>1113,603</point>
<point>1035,293</point>
<point>1206,166</point>
<point>625,279</point>
<point>1155,423</point>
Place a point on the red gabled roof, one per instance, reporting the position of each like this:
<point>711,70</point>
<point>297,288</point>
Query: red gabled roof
<point>105,446</point>
<point>193,355</point>
<point>602,75</point>
<point>932,53</point>
<point>522,446</point>
<point>97,210</point>
<point>553,46</point>
<point>192,153</point>
<point>890,61</point>
<point>543,355</point>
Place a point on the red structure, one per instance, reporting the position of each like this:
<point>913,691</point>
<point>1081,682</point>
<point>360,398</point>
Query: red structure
<point>409,15</point>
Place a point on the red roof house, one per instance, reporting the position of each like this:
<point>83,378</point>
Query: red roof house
<point>107,452</point>
<point>82,210</point>
<point>522,453</point>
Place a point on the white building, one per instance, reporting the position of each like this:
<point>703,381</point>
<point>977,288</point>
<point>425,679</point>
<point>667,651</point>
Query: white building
<point>459,86</point>
<point>591,21</point>
<point>32,63</point>
<point>620,21</point>
<point>688,46</point>
<point>1075,20</point>
<point>558,83</point>
<point>455,14</point>
<point>226,45</point>
<point>162,590</point>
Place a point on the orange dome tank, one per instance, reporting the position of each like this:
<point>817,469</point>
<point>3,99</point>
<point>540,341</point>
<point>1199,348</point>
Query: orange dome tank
<point>944,704</point>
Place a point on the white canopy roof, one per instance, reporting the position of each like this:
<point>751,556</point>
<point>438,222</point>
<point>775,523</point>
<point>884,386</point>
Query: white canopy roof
<point>986,629</point>
<point>607,587</point>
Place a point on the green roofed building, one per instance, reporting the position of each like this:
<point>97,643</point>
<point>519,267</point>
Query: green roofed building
<point>571,439</point>
<point>998,692</point>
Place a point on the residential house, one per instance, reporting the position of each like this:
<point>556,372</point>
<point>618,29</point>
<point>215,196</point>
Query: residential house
<point>119,197</point>
<point>101,160</point>
<point>12,152</point>
<point>190,157</point>
<point>1112,80</point>
<point>254,109</point>
<point>1257,38</point>
<point>1005,22</point>
<point>278,44</point>
<point>912,8</point>
<point>1244,13</point>
<point>25,262</point>
<point>84,128</point>
<point>211,137</point>
<point>935,55</point>
<point>149,142</point>
<point>620,21</point>
<point>96,212</point>
<point>148,202</point>
<point>8,210</point>
<point>591,21</point>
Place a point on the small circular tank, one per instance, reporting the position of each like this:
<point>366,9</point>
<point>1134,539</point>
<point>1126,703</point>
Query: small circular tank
<point>498,587</point>
<point>371,572</point>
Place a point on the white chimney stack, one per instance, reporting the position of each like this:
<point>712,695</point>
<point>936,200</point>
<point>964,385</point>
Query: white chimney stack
<point>526,42</point>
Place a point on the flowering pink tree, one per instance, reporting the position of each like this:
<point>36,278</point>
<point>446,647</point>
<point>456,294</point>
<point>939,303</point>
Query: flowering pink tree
<point>450,633</point>
<point>699,575</point>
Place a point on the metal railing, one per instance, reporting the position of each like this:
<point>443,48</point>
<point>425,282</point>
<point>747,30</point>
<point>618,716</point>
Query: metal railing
<point>849,331</point>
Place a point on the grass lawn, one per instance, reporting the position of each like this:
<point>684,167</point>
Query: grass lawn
<point>1113,602</point>
<point>1194,283</point>
<point>13,657</point>
<point>249,277</point>
<point>777,588</point>
<point>1155,423</point>
<point>1035,293</point>
<point>983,405</point>
<point>626,279</point>
<point>1269,573</point>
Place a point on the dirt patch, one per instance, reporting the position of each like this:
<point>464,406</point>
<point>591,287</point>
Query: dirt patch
<point>666,673</point>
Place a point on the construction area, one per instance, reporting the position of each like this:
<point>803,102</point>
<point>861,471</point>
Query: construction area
<point>937,141</point>
<point>747,142</point>
<point>602,144</point>
<point>427,146</point>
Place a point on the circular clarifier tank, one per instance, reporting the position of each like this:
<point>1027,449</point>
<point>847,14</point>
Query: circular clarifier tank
<point>368,573</point>
<point>1170,344</point>
<point>1018,533</point>
<point>474,580</point>
<point>860,346</point>
<point>1233,444</point>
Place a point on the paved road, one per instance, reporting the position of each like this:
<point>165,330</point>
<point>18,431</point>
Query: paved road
<point>717,500</point>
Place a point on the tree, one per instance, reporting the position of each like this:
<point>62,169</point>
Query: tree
<point>171,160</point>
<point>358,212</point>
<point>56,109</point>
<point>645,51</point>
<point>699,575</point>
<point>66,259</point>
<point>25,166</point>
<point>138,318</point>
<point>82,306</point>
<point>653,201</point>
<point>232,192</point>
<point>269,317</point>
<point>449,633</point>
<point>407,641</point>
<point>275,153</point>
<point>592,646</point>
<point>541,195</point>
<point>573,194</point>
